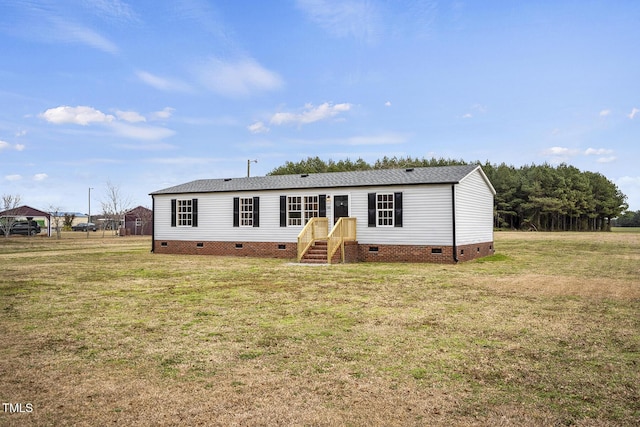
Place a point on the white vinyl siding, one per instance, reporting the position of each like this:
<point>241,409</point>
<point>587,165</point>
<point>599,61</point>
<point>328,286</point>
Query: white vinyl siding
<point>215,219</point>
<point>474,210</point>
<point>427,214</point>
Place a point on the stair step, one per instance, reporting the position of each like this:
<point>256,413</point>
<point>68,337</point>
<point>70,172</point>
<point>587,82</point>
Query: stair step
<point>317,251</point>
<point>313,261</point>
<point>316,254</point>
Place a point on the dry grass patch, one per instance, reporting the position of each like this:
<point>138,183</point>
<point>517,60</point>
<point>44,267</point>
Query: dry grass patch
<point>111,334</point>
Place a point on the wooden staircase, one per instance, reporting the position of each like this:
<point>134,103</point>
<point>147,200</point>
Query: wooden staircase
<point>316,254</point>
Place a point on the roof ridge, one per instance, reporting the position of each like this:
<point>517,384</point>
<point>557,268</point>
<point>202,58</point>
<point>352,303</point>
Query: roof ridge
<point>372,177</point>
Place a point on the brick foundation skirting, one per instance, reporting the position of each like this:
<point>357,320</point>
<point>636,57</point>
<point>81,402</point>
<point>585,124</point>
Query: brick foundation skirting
<point>354,252</point>
<point>422,253</point>
<point>251,249</point>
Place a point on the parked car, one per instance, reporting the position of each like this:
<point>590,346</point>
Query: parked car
<point>23,227</point>
<point>84,226</point>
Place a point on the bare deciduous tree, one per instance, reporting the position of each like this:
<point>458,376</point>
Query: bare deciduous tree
<point>10,204</point>
<point>57,220</point>
<point>114,206</point>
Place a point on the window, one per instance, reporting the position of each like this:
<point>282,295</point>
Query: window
<point>298,210</point>
<point>299,207</point>
<point>384,209</point>
<point>311,207</point>
<point>246,212</point>
<point>138,222</point>
<point>294,210</point>
<point>184,212</point>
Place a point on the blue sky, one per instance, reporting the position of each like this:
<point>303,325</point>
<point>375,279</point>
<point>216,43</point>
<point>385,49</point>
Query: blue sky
<point>149,94</point>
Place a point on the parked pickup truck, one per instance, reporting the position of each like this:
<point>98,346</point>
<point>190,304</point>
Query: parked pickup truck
<point>23,227</point>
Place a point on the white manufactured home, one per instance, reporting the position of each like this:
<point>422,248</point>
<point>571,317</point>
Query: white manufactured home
<point>437,214</point>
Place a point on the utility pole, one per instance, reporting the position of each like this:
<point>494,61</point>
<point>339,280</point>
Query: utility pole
<point>249,166</point>
<point>89,215</point>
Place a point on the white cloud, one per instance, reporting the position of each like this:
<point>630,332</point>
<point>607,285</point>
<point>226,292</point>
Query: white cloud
<point>21,133</point>
<point>560,154</point>
<point>163,114</point>
<point>258,127</point>
<point>81,115</point>
<point>114,9</point>
<point>64,22</point>
<point>71,32</point>
<point>130,116</point>
<point>129,124</point>
<point>608,159</point>
<point>601,152</point>
<point>560,151</point>
<point>387,104</point>
<point>4,145</point>
<point>475,108</point>
<point>597,151</point>
<point>344,18</point>
<point>162,83</point>
<point>605,113</point>
<point>15,177</point>
<point>310,114</point>
<point>239,78</point>
<point>40,177</point>
<point>634,112</point>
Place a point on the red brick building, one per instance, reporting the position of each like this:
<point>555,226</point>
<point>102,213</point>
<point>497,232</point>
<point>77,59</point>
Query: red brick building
<point>137,221</point>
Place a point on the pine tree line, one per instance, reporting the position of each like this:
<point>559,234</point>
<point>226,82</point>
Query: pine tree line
<point>538,197</point>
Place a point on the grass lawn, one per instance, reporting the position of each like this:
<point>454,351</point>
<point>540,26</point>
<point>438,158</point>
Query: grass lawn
<point>99,331</point>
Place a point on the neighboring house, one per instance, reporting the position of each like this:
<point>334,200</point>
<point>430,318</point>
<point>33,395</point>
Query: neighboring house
<point>78,217</point>
<point>137,221</point>
<point>25,212</point>
<point>439,214</point>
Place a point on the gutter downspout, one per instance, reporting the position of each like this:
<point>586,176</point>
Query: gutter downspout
<point>453,223</point>
<point>153,231</point>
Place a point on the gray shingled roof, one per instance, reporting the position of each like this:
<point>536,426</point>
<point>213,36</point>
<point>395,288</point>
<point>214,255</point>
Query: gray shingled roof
<point>412,176</point>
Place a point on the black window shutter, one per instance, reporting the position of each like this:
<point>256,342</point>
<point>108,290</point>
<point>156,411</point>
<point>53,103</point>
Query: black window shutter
<point>256,211</point>
<point>283,211</point>
<point>397,209</point>
<point>322,206</point>
<point>236,211</point>
<point>173,212</point>
<point>372,210</point>
<point>194,212</point>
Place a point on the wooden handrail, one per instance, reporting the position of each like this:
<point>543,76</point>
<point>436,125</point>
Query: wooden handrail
<point>316,229</point>
<point>344,230</point>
